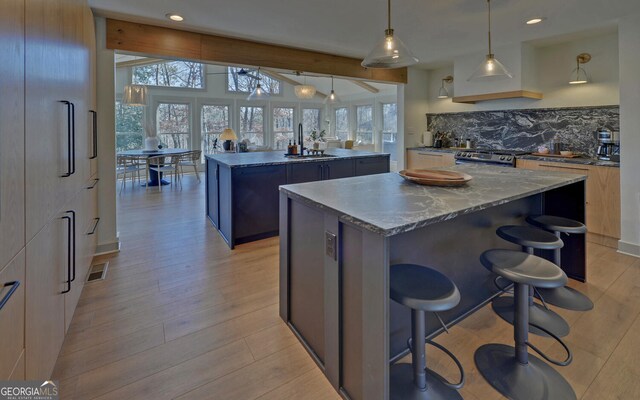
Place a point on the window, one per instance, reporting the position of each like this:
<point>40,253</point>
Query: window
<point>342,123</point>
<point>176,74</point>
<point>252,124</point>
<point>214,119</point>
<point>173,125</point>
<point>245,83</point>
<point>129,130</point>
<point>283,126</point>
<point>389,128</point>
<point>364,125</point>
<point>310,120</point>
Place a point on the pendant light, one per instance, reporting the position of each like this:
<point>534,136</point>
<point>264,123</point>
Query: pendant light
<point>443,93</point>
<point>579,75</point>
<point>331,97</point>
<point>490,67</point>
<point>390,52</point>
<point>304,91</point>
<point>135,95</point>
<point>258,93</point>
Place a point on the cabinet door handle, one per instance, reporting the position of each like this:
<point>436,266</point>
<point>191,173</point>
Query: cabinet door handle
<point>95,183</point>
<point>73,138</point>
<point>14,286</point>
<point>94,120</point>
<point>95,226</point>
<point>69,140</point>
<point>68,282</point>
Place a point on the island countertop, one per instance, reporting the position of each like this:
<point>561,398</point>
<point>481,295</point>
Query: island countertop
<point>252,159</point>
<point>388,205</point>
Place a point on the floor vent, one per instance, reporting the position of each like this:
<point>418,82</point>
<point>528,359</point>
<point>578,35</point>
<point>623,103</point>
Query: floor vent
<point>98,272</point>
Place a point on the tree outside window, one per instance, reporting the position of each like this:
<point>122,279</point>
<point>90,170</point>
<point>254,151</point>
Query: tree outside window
<point>241,83</point>
<point>173,125</point>
<point>389,128</point>
<point>364,125</point>
<point>342,123</point>
<point>252,124</point>
<point>129,130</point>
<point>214,119</point>
<point>176,74</point>
<point>310,120</point>
<point>283,126</point>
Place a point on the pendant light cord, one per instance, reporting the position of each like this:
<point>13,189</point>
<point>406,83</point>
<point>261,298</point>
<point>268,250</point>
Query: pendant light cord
<point>389,14</point>
<point>489,7</point>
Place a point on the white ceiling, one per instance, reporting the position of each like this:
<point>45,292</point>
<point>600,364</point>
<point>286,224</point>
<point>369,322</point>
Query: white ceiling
<point>435,30</point>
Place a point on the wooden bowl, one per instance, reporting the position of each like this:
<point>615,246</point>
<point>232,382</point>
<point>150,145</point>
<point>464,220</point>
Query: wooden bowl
<point>435,177</point>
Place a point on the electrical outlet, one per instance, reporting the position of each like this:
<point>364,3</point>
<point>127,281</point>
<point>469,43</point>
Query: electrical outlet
<point>331,242</point>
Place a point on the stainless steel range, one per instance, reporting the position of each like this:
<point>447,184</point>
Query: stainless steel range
<point>501,158</point>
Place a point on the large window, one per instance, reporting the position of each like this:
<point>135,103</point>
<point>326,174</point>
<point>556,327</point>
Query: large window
<point>310,120</point>
<point>246,82</point>
<point>214,119</point>
<point>283,126</point>
<point>342,123</point>
<point>173,124</point>
<point>389,128</point>
<point>129,130</point>
<point>177,74</point>
<point>252,124</point>
<point>364,125</point>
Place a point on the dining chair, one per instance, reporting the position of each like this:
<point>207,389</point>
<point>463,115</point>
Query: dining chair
<point>127,165</point>
<point>164,165</point>
<point>190,159</point>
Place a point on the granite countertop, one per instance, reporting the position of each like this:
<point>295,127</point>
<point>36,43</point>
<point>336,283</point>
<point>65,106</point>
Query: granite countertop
<point>251,159</point>
<point>388,205</point>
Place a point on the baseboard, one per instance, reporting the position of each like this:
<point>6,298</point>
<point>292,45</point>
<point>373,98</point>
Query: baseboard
<point>630,249</point>
<point>107,248</point>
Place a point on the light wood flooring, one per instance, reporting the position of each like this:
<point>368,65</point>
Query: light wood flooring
<point>180,316</point>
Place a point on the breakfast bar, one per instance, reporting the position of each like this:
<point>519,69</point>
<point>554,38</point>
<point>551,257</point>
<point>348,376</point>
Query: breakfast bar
<point>338,239</point>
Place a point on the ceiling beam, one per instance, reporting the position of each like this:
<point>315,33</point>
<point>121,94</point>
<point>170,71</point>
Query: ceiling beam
<point>365,86</point>
<point>284,78</point>
<point>178,44</point>
<point>139,62</point>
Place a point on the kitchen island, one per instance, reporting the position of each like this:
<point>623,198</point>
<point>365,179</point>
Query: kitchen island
<point>242,188</point>
<point>338,239</point>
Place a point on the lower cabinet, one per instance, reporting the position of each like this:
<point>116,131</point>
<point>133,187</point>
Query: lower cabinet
<point>421,159</point>
<point>372,165</point>
<point>602,197</point>
<point>12,301</point>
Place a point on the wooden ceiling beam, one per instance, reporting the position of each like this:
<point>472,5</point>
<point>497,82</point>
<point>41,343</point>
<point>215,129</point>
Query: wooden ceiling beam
<point>284,78</point>
<point>365,86</point>
<point>178,44</point>
<point>139,62</point>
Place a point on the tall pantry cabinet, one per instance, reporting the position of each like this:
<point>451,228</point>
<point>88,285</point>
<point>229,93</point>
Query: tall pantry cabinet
<point>48,208</point>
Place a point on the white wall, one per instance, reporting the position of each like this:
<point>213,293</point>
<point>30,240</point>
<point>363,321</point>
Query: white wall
<point>415,104</point>
<point>629,41</point>
<point>553,66</point>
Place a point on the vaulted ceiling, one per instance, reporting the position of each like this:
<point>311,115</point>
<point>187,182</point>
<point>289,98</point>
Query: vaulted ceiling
<point>436,30</point>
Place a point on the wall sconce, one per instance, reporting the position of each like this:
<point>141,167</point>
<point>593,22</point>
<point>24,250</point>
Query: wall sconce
<point>443,93</point>
<point>579,75</point>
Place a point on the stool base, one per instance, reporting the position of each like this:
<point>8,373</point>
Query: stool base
<point>567,298</point>
<point>538,315</point>
<point>401,386</point>
<point>535,380</point>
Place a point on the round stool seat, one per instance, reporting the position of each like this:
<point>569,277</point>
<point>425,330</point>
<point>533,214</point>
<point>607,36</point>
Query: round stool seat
<point>529,237</point>
<point>423,288</point>
<point>557,224</point>
<point>520,267</point>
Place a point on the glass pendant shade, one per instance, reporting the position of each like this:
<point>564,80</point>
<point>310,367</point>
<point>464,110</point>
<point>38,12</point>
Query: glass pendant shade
<point>331,98</point>
<point>390,52</point>
<point>135,95</point>
<point>490,69</point>
<point>305,91</point>
<point>578,76</point>
<point>258,93</point>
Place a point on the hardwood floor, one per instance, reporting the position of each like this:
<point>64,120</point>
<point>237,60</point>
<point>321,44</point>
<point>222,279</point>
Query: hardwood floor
<point>180,316</point>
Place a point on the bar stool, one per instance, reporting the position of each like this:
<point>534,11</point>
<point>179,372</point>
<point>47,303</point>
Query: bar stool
<point>531,238</point>
<point>422,289</point>
<point>512,371</point>
<point>564,297</point>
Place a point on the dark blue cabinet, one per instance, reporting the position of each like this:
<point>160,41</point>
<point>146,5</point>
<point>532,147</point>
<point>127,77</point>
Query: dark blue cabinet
<point>304,172</point>
<point>336,169</point>
<point>372,165</point>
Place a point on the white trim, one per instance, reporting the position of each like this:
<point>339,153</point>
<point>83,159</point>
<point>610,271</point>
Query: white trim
<point>630,249</point>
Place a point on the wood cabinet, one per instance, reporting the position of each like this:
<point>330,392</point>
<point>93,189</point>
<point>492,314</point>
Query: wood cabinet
<point>419,159</point>
<point>602,197</point>
<point>47,87</point>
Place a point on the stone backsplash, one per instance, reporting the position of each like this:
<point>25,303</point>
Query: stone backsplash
<point>527,129</point>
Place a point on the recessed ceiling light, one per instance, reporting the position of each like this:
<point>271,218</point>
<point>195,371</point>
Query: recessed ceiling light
<point>534,21</point>
<point>175,17</point>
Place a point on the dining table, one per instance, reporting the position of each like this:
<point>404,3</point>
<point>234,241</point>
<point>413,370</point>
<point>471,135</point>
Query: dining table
<point>155,177</point>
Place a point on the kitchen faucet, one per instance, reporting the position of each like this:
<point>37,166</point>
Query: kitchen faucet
<point>300,139</point>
